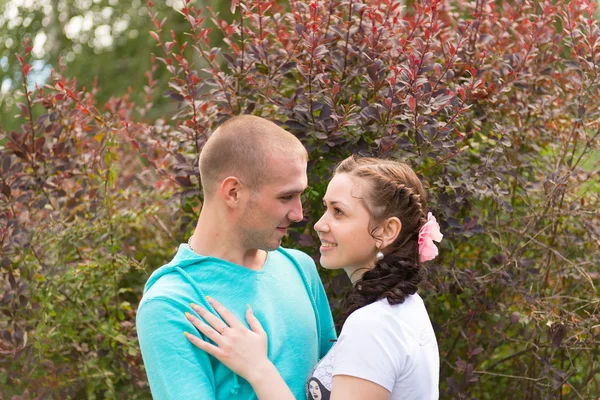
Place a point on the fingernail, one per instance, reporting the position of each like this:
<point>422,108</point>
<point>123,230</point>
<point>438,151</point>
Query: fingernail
<point>193,306</point>
<point>208,298</point>
<point>249,306</point>
<point>187,335</point>
<point>189,316</point>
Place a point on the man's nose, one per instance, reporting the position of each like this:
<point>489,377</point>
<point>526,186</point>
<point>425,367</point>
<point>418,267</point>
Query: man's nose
<point>296,213</point>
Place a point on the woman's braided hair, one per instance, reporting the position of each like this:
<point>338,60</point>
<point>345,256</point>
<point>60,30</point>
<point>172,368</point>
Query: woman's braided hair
<point>392,190</point>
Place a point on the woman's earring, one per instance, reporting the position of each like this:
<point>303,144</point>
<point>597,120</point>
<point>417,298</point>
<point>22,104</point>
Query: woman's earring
<point>379,256</point>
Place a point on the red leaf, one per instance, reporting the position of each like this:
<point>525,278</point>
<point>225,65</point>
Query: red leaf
<point>22,107</point>
<point>6,164</point>
<point>155,36</point>
<point>412,103</point>
<point>26,69</point>
<point>6,190</point>
<point>39,143</point>
<point>184,181</point>
<point>234,4</point>
<point>336,89</point>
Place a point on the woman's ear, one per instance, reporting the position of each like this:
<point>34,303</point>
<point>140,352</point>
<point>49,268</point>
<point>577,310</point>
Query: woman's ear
<point>390,229</point>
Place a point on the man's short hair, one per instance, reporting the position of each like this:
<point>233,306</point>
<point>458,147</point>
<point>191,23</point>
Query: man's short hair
<point>242,147</point>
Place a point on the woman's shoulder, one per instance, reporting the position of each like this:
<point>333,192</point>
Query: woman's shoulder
<point>380,316</point>
<point>374,342</point>
<point>369,316</point>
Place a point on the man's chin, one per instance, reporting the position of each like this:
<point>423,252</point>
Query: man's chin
<point>271,246</point>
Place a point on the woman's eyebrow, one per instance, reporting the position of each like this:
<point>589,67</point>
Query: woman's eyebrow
<point>335,202</point>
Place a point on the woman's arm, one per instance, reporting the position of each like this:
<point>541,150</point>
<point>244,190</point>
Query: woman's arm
<point>347,387</point>
<point>269,385</point>
<point>241,350</point>
<point>244,352</point>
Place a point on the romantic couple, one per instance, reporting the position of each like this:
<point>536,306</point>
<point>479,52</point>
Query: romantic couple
<point>236,316</point>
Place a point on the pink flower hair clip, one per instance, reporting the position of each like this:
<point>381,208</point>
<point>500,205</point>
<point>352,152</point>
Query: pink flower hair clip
<point>429,232</point>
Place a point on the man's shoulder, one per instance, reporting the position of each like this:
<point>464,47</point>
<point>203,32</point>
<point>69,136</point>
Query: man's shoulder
<point>170,287</point>
<point>166,281</point>
<point>305,263</point>
<point>301,257</point>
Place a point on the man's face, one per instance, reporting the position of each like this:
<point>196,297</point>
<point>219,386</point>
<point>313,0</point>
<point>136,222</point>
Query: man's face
<point>277,204</point>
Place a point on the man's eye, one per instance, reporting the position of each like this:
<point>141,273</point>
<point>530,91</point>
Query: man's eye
<point>286,198</point>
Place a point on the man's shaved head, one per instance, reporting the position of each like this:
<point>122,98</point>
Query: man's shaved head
<point>242,147</point>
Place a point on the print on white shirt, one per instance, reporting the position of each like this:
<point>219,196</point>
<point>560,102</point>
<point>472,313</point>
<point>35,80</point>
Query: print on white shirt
<point>319,384</point>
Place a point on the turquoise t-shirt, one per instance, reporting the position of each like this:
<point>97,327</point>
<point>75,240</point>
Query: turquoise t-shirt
<point>286,296</point>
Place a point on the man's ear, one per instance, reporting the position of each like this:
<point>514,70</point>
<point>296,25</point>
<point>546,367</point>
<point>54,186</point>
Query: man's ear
<point>390,229</point>
<point>232,191</point>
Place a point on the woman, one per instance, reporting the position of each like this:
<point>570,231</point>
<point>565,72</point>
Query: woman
<point>375,227</point>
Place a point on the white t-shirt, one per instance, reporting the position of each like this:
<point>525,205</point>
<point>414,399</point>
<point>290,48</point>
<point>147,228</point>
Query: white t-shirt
<point>392,346</point>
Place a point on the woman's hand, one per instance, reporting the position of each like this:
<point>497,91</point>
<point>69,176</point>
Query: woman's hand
<point>242,350</point>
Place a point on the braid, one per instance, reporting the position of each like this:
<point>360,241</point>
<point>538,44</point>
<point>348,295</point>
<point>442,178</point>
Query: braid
<point>393,278</point>
<point>415,197</point>
<point>396,191</point>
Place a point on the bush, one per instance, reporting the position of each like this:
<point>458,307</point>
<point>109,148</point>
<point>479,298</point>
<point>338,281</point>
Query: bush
<point>495,105</point>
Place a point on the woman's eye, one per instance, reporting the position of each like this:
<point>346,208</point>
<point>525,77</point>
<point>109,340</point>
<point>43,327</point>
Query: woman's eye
<point>337,211</point>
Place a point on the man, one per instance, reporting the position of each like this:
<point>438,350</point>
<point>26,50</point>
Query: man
<point>253,174</point>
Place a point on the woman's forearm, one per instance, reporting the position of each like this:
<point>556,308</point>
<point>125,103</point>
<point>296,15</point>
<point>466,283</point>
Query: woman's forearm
<point>268,384</point>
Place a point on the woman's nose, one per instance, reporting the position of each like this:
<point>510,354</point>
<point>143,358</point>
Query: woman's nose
<point>321,225</point>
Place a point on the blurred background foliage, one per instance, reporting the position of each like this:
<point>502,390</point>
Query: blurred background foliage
<point>495,104</point>
<point>103,41</point>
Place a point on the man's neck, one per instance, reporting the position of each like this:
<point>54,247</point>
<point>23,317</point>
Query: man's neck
<point>213,238</point>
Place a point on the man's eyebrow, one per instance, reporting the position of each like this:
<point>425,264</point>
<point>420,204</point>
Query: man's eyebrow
<point>292,192</point>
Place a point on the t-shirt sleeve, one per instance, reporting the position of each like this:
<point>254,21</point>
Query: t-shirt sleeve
<point>328,334</point>
<point>176,369</point>
<point>369,349</point>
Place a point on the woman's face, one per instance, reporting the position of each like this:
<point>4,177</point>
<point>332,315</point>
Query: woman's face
<point>344,229</point>
<point>315,390</point>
